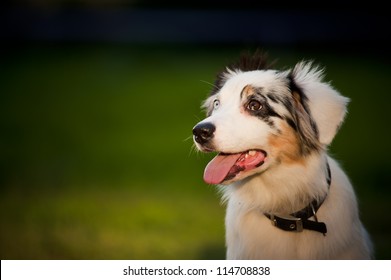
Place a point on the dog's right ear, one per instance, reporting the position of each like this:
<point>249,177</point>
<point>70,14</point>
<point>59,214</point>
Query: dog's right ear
<point>323,103</point>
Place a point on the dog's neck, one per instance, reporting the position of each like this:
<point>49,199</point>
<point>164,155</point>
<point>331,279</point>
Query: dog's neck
<point>299,220</point>
<point>283,188</point>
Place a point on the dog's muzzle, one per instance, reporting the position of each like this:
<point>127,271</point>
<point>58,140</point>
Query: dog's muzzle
<point>203,132</point>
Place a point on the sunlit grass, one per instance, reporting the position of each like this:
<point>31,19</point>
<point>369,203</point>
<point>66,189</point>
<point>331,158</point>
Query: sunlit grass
<point>111,224</point>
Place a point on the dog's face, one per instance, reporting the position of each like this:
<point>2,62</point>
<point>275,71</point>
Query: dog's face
<point>263,118</point>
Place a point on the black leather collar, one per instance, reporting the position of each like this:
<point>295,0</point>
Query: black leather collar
<point>298,221</point>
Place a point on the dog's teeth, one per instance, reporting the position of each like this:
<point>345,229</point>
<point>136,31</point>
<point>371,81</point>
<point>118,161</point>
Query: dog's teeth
<point>252,153</point>
<point>246,156</point>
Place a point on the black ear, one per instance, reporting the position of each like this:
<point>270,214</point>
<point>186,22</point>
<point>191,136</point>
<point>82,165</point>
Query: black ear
<point>322,109</point>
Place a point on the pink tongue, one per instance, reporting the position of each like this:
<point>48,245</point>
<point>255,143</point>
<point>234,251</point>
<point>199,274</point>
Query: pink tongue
<point>218,168</point>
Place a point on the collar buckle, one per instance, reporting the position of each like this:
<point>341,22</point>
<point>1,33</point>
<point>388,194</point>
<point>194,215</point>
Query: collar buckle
<point>289,222</point>
<point>300,220</point>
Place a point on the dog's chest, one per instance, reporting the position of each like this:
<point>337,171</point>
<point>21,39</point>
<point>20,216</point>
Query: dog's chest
<point>250,235</point>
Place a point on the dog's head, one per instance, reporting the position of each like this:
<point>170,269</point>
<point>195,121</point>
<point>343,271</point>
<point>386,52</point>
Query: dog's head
<point>258,118</point>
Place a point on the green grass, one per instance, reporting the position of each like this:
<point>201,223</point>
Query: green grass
<point>111,224</point>
<point>96,157</point>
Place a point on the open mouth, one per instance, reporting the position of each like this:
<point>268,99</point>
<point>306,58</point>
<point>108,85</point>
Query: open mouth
<point>225,167</point>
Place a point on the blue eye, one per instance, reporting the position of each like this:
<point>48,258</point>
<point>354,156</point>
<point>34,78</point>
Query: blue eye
<point>216,104</point>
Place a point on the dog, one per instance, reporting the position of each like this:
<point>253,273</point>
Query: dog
<point>286,197</point>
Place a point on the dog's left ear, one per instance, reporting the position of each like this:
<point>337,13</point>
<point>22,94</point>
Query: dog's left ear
<point>326,106</point>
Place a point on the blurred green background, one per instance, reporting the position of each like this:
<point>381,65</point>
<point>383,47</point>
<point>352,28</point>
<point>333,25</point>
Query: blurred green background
<point>96,157</point>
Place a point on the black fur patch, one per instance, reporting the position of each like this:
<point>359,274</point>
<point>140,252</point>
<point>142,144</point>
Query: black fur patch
<point>266,112</point>
<point>294,88</point>
<point>251,62</point>
<point>219,82</point>
<point>273,97</point>
<point>291,123</point>
<point>247,62</point>
<point>302,120</point>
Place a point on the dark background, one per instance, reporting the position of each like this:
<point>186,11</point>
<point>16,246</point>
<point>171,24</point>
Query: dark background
<point>97,103</point>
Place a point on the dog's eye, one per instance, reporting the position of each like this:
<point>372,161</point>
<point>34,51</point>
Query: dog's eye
<point>254,105</point>
<point>216,104</point>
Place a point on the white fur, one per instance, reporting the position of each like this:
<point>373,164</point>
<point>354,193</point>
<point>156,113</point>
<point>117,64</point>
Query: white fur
<point>281,186</point>
<point>328,107</point>
<point>250,235</point>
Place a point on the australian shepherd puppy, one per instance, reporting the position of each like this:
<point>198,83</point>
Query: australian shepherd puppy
<point>286,198</point>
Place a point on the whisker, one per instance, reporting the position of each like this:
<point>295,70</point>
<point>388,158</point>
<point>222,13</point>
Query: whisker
<point>208,83</point>
<point>193,148</point>
<point>188,138</point>
<point>197,117</point>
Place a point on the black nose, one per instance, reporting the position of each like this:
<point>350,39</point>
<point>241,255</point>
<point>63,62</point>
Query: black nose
<point>203,132</point>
